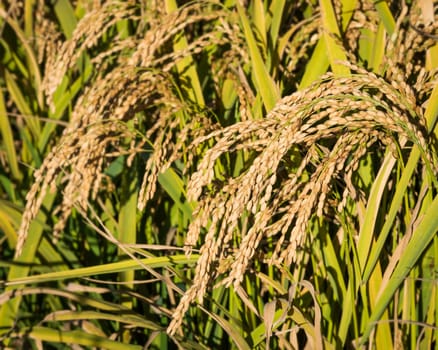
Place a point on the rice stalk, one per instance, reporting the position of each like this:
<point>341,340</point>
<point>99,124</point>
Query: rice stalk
<point>97,122</point>
<point>335,123</point>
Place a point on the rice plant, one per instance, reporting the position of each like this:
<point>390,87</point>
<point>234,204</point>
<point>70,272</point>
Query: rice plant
<point>204,175</point>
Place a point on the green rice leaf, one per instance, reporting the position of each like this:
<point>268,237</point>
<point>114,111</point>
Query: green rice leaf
<point>378,51</point>
<point>22,104</point>
<point>385,15</point>
<point>317,65</point>
<point>259,20</point>
<point>264,83</point>
<point>122,266</point>
<point>8,140</point>
<point>66,16</point>
<point>232,331</point>
<point>174,186</point>
<point>32,64</point>
<point>8,311</point>
<point>186,66</point>
<point>373,206</point>
<point>276,9</point>
<point>421,238</point>
<point>7,228</point>
<point>76,337</point>
<point>131,320</point>
<point>335,52</point>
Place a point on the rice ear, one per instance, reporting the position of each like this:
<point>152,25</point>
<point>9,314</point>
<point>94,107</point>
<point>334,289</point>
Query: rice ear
<point>335,122</point>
